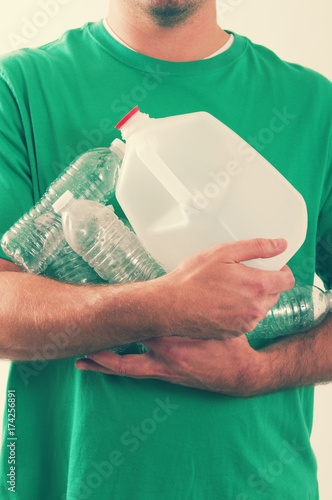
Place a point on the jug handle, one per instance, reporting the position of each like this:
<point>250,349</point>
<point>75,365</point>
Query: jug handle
<point>165,176</point>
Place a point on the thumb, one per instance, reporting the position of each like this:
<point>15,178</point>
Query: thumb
<point>254,249</point>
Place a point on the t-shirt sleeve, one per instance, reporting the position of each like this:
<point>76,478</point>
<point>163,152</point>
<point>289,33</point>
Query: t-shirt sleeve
<point>324,232</point>
<point>16,192</point>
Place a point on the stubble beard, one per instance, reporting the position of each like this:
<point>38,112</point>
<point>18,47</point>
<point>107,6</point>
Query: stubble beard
<point>169,13</point>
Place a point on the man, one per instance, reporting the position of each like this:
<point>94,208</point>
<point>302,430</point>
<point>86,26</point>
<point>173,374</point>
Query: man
<point>210,418</point>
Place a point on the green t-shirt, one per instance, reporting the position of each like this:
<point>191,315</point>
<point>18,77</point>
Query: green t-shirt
<point>83,435</point>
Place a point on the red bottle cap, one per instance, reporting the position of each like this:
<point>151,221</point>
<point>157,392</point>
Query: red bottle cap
<point>126,118</point>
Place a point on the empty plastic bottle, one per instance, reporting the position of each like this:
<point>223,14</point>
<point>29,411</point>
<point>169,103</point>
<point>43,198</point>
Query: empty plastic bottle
<point>68,266</point>
<point>297,310</point>
<point>202,185</point>
<point>105,243</point>
<point>96,234</point>
<point>36,239</point>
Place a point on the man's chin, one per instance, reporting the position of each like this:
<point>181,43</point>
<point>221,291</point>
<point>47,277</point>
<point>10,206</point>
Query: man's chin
<point>169,16</point>
<point>169,13</point>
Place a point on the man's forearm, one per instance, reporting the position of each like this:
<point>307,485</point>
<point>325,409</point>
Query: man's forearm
<point>36,311</point>
<point>191,301</point>
<point>303,359</point>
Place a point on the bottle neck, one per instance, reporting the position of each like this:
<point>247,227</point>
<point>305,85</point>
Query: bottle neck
<point>328,295</point>
<point>62,203</point>
<point>118,147</point>
<point>137,121</point>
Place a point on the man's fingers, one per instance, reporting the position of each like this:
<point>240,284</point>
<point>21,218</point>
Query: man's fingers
<point>89,365</point>
<point>289,280</point>
<point>105,357</point>
<point>240,251</point>
<point>128,365</point>
<point>273,299</point>
<point>272,282</point>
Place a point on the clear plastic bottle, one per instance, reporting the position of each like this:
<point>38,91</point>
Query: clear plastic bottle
<point>298,310</point>
<point>95,233</point>
<point>36,239</point>
<point>68,266</point>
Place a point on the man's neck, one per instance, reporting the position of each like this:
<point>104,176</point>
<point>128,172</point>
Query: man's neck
<point>191,40</point>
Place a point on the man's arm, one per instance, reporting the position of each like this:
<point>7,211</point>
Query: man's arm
<point>35,311</point>
<point>303,359</point>
<point>229,366</point>
<point>208,294</point>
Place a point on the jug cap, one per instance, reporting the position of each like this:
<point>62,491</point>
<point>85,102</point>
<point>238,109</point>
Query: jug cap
<point>126,118</point>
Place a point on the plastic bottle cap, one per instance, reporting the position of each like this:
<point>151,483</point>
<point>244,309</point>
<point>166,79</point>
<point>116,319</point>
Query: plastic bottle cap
<point>62,201</point>
<point>126,118</point>
<point>118,147</point>
<point>329,297</point>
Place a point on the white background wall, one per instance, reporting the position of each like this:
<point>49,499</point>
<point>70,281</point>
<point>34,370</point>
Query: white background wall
<point>297,30</point>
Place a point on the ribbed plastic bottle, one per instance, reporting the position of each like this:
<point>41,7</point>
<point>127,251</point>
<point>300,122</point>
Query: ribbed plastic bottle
<point>114,252</point>
<point>298,310</point>
<point>95,233</point>
<point>36,239</point>
<point>69,267</point>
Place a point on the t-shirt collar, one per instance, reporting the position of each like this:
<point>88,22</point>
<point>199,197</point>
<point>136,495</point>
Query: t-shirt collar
<point>139,61</point>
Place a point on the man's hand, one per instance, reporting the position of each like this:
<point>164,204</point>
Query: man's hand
<point>229,366</point>
<point>211,294</point>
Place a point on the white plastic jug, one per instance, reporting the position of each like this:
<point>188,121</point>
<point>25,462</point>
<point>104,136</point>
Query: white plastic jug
<point>188,182</point>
